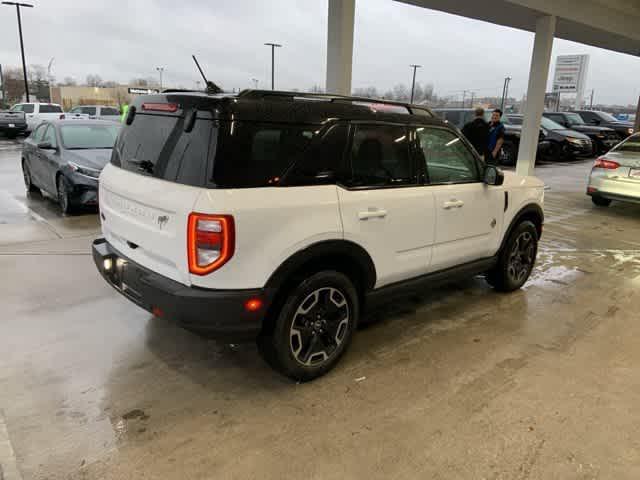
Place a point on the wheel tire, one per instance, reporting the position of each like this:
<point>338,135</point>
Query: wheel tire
<point>514,267</point>
<point>291,346</point>
<point>28,182</point>
<point>600,201</point>
<point>508,154</point>
<point>63,196</point>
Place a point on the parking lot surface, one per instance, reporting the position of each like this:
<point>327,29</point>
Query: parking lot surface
<point>460,382</point>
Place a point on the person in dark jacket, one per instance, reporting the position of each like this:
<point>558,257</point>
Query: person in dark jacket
<point>477,132</point>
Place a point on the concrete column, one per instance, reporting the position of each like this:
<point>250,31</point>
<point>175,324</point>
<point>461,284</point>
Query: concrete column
<point>340,46</point>
<point>538,74</point>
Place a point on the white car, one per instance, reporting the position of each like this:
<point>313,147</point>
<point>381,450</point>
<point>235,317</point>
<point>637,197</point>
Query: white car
<point>280,216</point>
<point>38,112</point>
<point>98,112</point>
<point>616,175</point>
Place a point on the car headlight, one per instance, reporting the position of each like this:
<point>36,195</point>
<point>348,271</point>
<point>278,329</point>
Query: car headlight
<point>575,141</point>
<point>629,130</point>
<point>86,171</point>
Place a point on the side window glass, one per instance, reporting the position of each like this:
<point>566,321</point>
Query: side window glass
<point>326,156</point>
<point>380,157</point>
<point>27,108</point>
<point>76,110</point>
<point>17,108</point>
<point>39,133</point>
<point>89,110</point>
<point>447,159</point>
<point>50,136</point>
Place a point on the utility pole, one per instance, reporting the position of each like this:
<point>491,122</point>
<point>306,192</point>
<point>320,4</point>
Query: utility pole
<point>473,95</point>
<point>273,49</point>
<point>464,97</point>
<point>255,83</point>
<point>24,64</point>
<point>413,83</point>
<point>591,101</point>
<point>4,100</point>
<point>505,92</point>
<point>160,71</point>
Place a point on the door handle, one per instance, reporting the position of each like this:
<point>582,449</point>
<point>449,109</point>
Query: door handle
<point>453,204</point>
<point>372,214</point>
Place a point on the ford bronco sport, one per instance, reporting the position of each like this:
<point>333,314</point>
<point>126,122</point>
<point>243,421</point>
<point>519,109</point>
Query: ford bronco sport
<point>279,216</point>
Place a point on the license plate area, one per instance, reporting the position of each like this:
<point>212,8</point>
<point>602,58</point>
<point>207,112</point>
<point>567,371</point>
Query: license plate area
<point>634,173</point>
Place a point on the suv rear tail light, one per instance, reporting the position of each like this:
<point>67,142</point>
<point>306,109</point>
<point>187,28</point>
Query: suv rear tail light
<point>210,242</point>
<point>160,107</point>
<point>604,163</point>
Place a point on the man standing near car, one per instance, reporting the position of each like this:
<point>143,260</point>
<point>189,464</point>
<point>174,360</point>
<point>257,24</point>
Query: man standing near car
<point>496,136</point>
<point>477,132</point>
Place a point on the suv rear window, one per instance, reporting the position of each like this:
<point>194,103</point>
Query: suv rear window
<point>158,146</point>
<point>50,109</point>
<point>257,154</point>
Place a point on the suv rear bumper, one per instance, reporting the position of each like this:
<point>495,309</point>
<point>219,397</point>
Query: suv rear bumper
<point>212,313</point>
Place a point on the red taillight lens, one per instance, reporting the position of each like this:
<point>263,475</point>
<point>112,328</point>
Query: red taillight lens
<point>160,107</point>
<point>604,163</point>
<point>210,242</point>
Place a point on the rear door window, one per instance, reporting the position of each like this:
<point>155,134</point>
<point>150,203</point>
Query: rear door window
<point>27,108</point>
<point>49,108</point>
<point>158,146</point>
<point>255,154</point>
<point>39,133</point>
<point>108,111</point>
<point>89,110</point>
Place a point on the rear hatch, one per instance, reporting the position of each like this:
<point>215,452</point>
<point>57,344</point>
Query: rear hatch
<point>158,169</point>
<point>15,118</point>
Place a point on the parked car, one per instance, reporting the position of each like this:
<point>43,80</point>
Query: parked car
<point>604,119</point>
<point>38,112</point>
<point>99,112</point>
<point>564,144</point>
<point>616,175</point>
<point>64,158</point>
<point>12,123</point>
<point>461,116</point>
<point>603,138</point>
<point>280,216</point>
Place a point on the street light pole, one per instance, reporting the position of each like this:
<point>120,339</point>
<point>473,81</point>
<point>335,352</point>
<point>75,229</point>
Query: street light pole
<point>24,64</point>
<point>505,92</point>
<point>591,101</point>
<point>413,83</point>
<point>273,49</point>
<point>160,70</point>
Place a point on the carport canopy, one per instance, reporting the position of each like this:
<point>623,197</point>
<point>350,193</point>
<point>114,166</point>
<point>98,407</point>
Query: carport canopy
<point>610,24</point>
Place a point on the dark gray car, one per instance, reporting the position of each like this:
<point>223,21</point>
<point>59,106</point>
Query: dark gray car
<point>64,158</point>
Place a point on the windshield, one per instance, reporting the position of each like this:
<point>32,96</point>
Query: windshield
<point>632,144</point>
<point>607,117</point>
<point>77,137</point>
<point>550,124</point>
<point>574,119</point>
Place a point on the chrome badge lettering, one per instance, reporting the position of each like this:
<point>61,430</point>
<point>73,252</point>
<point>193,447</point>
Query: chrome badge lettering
<point>162,221</point>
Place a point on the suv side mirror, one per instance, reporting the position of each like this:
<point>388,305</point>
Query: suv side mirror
<point>46,146</point>
<point>493,175</point>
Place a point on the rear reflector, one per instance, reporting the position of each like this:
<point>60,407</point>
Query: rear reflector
<point>210,242</point>
<point>253,305</point>
<point>160,107</point>
<point>604,163</point>
<point>592,189</point>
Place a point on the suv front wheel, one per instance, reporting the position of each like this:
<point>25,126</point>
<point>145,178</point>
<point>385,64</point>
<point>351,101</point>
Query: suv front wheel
<point>313,328</point>
<point>516,259</point>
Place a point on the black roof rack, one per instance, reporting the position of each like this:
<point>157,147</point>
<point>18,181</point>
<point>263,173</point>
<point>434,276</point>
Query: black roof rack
<point>258,94</point>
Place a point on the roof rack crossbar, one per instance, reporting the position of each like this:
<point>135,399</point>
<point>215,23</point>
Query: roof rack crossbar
<point>249,93</point>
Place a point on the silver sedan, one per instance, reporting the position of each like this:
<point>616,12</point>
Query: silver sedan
<point>616,175</point>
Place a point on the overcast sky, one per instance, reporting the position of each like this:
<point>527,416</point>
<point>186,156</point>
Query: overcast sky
<point>120,40</point>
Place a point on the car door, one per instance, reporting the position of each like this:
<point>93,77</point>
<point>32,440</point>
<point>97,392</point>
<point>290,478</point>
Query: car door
<point>468,213</point>
<point>50,159</point>
<point>383,206</point>
<point>33,154</point>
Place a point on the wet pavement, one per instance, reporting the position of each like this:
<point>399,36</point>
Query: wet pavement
<point>458,383</point>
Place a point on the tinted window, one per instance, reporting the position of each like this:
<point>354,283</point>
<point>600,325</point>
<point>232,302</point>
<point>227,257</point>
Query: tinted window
<point>76,110</point>
<point>158,146</point>
<point>257,154</point>
<point>605,117</point>
<point>48,108</point>
<point>588,116</point>
<point>16,108</point>
<point>516,120</point>
<point>550,124</point>
<point>89,110</point>
<point>556,118</point>
<point>77,137</point>
<point>326,155</point>
<point>39,133</point>
<point>447,159</point>
<point>107,111</point>
<point>50,136</point>
<point>574,119</point>
<point>27,108</point>
<point>380,157</point>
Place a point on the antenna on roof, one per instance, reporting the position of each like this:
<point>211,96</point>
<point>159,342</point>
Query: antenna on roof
<point>211,87</point>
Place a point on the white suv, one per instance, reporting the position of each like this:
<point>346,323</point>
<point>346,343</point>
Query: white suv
<point>279,216</point>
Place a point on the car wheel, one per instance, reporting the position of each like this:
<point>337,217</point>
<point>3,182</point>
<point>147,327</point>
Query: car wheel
<point>516,259</point>
<point>313,328</point>
<point>508,154</point>
<point>63,196</point>
<point>600,201</point>
<point>28,182</point>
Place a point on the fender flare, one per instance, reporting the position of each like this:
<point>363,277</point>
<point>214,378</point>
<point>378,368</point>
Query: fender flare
<point>531,210</point>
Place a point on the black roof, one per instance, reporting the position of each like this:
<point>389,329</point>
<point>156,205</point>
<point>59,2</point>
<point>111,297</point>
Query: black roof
<point>293,107</point>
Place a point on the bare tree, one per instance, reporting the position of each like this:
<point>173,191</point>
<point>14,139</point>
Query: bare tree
<point>94,80</point>
<point>68,82</point>
<point>148,82</point>
<point>401,92</point>
<point>13,84</point>
<point>109,83</point>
